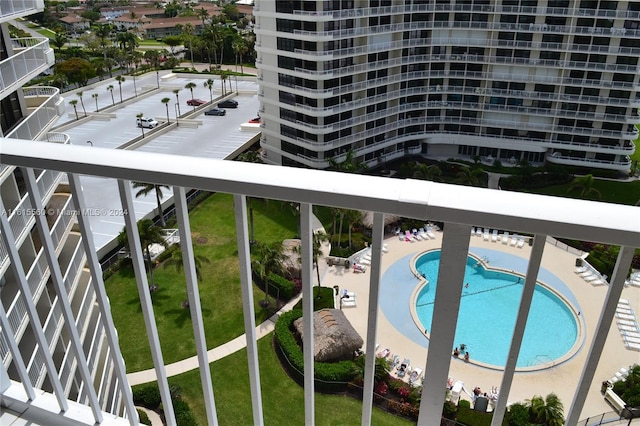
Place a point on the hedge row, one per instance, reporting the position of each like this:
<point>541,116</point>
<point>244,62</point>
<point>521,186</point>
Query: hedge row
<point>284,286</point>
<point>343,371</point>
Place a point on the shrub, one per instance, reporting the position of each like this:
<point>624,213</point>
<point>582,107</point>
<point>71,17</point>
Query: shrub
<point>404,409</point>
<point>147,395</point>
<point>381,389</point>
<point>144,419</point>
<point>184,416</point>
<point>284,286</point>
<point>449,410</point>
<point>404,391</point>
<point>518,415</point>
<point>463,403</point>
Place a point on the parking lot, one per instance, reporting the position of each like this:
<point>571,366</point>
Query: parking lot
<point>196,135</point>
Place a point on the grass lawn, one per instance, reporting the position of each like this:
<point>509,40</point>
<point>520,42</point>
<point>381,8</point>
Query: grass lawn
<point>283,399</point>
<point>46,32</point>
<point>636,155</point>
<point>213,233</point>
<point>151,42</point>
<point>611,191</point>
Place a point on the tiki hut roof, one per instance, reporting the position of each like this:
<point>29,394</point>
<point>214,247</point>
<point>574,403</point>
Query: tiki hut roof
<point>335,339</point>
<point>367,219</point>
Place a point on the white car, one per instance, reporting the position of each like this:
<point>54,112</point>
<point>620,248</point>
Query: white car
<point>146,122</point>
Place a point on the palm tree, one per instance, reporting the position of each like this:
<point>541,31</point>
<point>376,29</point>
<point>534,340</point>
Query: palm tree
<point>120,80</point>
<point>349,165</point>
<point>110,89</point>
<point>175,91</point>
<point>353,217</point>
<point>103,32</point>
<point>468,176</point>
<point>140,115</point>
<point>319,238</point>
<point>209,85</point>
<point>548,411</point>
<point>188,35</point>
<point>177,260</point>
<point>585,185</point>
<point>267,259</point>
<point>79,94</point>
<point>425,172</point>
<point>248,157</point>
<point>95,96</point>
<point>75,109</point>
<point>203,14</point>
<point>223,78</point>
<point>149,234</point>
<point>166,101</point>
<point>190,85</point>
<point>146,188</point>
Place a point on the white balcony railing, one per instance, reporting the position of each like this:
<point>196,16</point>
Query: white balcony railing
<point>31,57</point>
<point>12,9</point>
<point>41,116</point>
<point>457,207</point>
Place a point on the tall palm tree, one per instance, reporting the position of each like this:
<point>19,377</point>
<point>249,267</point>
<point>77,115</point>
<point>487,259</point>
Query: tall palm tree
<point>349,165</point>
<point>95,97</point>
<point>176,259</point>
<point>146,188</point>
<point>267,259</point>
<point>103,32</point>
<point>187,32</point>
<point>352,217</point>
<point>166,101</point>
<point>190,85</point>
<point>175,92</point>
<point>120,79</point>
<point>585,185</point>
<point>548,411</point>
<point>139,116</point>
<point>73,103</point>
<point>110,89</point>
<point>149,234</point>
<point>209,85</point>
<point>223,78</point>
<point>426,172</point>
<point>203,14</point>
<point>79,94</point>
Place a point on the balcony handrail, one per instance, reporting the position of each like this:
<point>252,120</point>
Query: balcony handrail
<point>20,7</point>
<point>30,55</point>
<point>40,117</point>
<point>408,198</point>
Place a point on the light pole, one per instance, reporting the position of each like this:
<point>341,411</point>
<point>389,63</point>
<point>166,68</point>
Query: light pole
<point>158,78</point>
<point>135,90</point>
<point>176,107</point>
<point>90,143</point>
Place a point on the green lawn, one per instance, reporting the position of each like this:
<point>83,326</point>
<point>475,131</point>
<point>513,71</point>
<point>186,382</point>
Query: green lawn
<point>213,233</point>
<point>283,399</point>
<point>636,155</point>
<point>151,42</point>
<point>611,191</point>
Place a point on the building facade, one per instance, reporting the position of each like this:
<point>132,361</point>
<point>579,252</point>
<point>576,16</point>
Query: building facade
<point>49,312</point>
<point>538,80</point>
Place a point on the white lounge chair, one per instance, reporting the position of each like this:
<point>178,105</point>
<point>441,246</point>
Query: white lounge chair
<point>349,299</point>
<point>505,238</point>
<point>623,302</point>
<point>633,346</point>
<point>520,243</point>
<point>514,240</point>
<point>622,310</point>
<point>627,328</point>
<point>430,233</point>
<point>630,323</point>
<point>485,234</point>
<point>597,281</point>
<point>632,340</point>
<point>423,234</point>
<point>385,248</point>
<point>416,235</point>
<point>478,231</point>
<point>589,277</point>
<point>494,236</point>
<point>473,231</point>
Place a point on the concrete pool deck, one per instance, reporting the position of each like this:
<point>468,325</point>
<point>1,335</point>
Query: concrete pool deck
<point>403,337</point>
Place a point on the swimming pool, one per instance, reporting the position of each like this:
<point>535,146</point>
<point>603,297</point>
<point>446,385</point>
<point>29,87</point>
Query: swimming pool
<point>488,310</point>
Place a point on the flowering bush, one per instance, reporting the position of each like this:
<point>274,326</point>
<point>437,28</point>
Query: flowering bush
<point>381,389</point>
<point>404,391</point>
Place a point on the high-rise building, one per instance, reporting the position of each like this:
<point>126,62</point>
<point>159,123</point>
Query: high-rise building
<point>49,312</point>
<point>552,81</point>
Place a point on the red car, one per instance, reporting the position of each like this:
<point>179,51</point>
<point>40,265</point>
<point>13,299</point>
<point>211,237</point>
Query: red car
<point>255,120</point>
<point>196,102</point>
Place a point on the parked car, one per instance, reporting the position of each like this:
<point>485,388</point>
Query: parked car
<point>229,103</point>
<point>255,120</point>
<point>196,102</point>
<point>215,111</point>
<point>146,122</point>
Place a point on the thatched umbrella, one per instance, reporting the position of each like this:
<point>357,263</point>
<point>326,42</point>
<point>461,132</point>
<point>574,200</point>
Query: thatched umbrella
<point>367,219</point>
<point>334,337</point>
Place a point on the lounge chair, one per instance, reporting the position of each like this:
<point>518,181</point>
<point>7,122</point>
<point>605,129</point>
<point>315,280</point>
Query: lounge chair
<point>627,328</point>
<point>402,369</point>
<point>494,236</point>
<point>514,239</point>
<point>505,238</point>
<point>597,281</point>
<point>423,234</point>
<point>589,277</point>
<point>407,236</point>
<point>520,243</point>
<point>416,235</point>
<point>633,346</point>
<point>473,231</point>
<point>383,353</point>
<point>623,302</point>
<point>430,233</point>
<point>630,323</point>
<point>348,299</point>
<point>485,234</point>
<point>385,248</point>
<point>631,340</point>
<point>414,376</point>
<point>624,310</point>
<point>478,231</point>
<point>394,362</point>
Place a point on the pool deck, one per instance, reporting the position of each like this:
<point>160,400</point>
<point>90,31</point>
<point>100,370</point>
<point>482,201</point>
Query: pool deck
<point>405,339</point>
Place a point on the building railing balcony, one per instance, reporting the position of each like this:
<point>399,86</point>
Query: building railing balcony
<point>12,9</point>
<point>458,207</point>
<point>74,269</point>
<point>36,367</point>
<point>620,165</point>
<point>50,106</point>
<point>66,216</point>
<point>31,57</point>
<point>53,324</point>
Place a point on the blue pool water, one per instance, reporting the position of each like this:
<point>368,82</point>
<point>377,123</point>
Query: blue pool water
<point>488,310</point>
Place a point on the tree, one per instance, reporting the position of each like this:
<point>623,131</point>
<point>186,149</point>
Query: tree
<point>177,260</point>
<point>239,47</point>
<point>152,57</point>
<point>175,92</point>
<point>172,42</point>
<point>352,217</point>
<point>59,40</point>
<point>209,84</point>
<point>585,185</point>
<point>223,77</point>
<point>187,34</point>
<point>548,411</point>
<point>166,101</point>
<point>267,259</point>
<point>90,15</point>
<point>139,116</point>
<point>425,172</point>
<point>203,14</point>
<point>79,94</point>
<point>73,103</point>
<point>349,165</point>
<point>172,9</point>
<point>146,188</point>
<point>127,41</point>
<point>110,89</point>
<point>149,234</point>
<point>319,238</point>
<point>468,176</point>
<point>95,97</point>
<point>190,85</point>
<point>76,70</point>
<point>104,33</point>
<point>120,79</point>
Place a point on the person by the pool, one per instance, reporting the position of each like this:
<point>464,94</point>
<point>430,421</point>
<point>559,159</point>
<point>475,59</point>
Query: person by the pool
<point>456,352</point>
<point>466,356</point>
